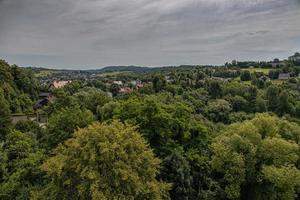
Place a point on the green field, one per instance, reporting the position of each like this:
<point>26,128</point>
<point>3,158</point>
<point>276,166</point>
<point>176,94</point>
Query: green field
<point>44,73</point>
<point>252,70</point>
<point>114,73</point>
<point>276,82</point>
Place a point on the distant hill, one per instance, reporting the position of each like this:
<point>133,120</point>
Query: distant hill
<point>124,68</point>
<point>41,72</point>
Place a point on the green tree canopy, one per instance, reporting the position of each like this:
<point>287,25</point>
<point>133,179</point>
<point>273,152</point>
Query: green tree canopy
<point>4,115</point>
<point>215,89</point>
<point>165,124</point>
<point>257,159</point>
<point>159,83</point>
<point>103,161</point>
<point>90,98</point>
<point>218,110</point>
<point>177,170</point>
<point>20,158</point>
<point>63,123</point>
<point>245,75</point>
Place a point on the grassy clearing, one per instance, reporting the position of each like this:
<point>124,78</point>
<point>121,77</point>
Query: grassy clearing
<point>252,70</point>
<point>275,82</point>
<point>278,82</point>
<point>44,73</point>
<point>114,73</point>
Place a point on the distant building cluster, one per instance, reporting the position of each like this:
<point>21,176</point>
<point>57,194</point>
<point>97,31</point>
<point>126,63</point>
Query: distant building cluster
<point>130,86</point>
<point>295,58</point>
<point>277,63</point>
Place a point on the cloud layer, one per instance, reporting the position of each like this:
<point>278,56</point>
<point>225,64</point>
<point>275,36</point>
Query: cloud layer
<point>92,33</point>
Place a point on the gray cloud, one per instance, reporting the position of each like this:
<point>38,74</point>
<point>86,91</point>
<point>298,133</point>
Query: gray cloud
<point>94,33</point>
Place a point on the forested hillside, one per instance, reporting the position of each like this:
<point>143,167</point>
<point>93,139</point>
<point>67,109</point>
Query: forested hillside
<point>178,133</point>
<point>18,87</point>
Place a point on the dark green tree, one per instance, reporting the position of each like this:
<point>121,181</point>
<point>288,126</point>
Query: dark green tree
<point>218,110</point>
<point>245,76</point>
<point>5,120</point>
<point>91,98</point>
<point>176,170</point>
<point>238,103</point>
<point>63,123</point>
<point>31,127</point>
<point>159,83</point>
<point>272,95</point>
<point>20,159</point>
<point>284,104</point>
<point>114,89</point>
<point>215,89</point>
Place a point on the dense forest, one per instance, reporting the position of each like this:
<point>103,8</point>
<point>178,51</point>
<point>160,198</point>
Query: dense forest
<point>189,133</point>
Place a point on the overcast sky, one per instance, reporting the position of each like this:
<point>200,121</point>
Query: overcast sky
<point>85,34</point>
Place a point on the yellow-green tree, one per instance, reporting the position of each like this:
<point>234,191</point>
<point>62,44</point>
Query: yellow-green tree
<point>258,159</point>
<point>103,161</point>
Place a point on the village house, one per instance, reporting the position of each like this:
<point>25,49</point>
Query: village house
<point>58,84</point>
<point>44,99</point>
<point>139,85</point>
<point>277,63</point>
<point>295,57</point>
<point>274,65</point>
<point>134,82</point>
<point>125,90</point>
<point>284,76</point>
<point>118,82</point>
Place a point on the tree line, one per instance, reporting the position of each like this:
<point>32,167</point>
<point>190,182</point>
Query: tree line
<point>189,137</point>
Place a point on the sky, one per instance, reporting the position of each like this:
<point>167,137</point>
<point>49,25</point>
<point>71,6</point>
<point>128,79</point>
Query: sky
<point>89,34</point>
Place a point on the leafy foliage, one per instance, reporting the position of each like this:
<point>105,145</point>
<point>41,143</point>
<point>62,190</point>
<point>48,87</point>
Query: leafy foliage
<point>19,167</point>
<point>202,123</point>
<point>62,125</point>
<point>255,156</point>
<point>103,161</point>
<point>4,115</point>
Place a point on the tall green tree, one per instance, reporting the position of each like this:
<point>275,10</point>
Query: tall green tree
<point>159,83</point>
<point>5,73</point>
<point>215,89</point>
<point>114,89</point>
<point>165,126</point>
<point>238,103</point>
<point>256,159</point>
<point>245,76</point>
<point>218,110</point>
<point>272,95</point>
<point>20,158</point>
<point>5,120</point>
<point>63,123</point>
<point>91,98</point>
<point>177,170</point>
<point>103,161</point>
<point>284,104</point>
